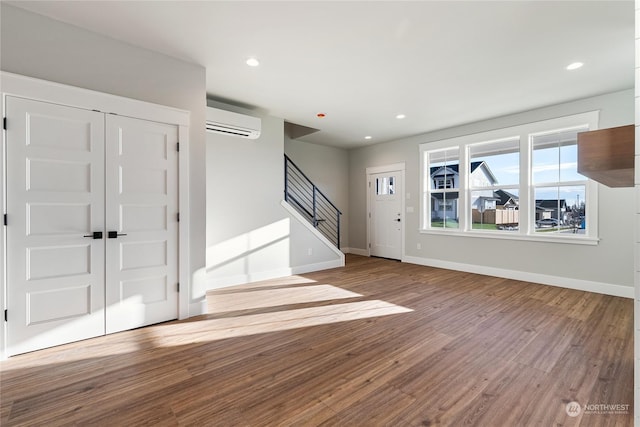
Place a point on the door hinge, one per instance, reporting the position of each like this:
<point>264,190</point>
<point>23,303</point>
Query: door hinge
<point>6,318</point>
<point>178,286</point>
<point>5,219</point>
<point>177,146</point>
<point>178,216</point>
<point>4,123</point>
<point>369,214</point>
<point>369,184</point>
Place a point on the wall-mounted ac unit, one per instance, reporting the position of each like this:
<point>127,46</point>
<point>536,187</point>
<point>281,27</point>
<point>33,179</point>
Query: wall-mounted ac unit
<point>234,124</point>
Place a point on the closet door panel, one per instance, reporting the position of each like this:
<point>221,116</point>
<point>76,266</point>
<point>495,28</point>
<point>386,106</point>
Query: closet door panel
<point>142,207</point>
<point>55,197</point>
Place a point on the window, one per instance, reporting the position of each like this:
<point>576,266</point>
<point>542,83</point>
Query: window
<point>442,195</point>
<point>385,186</point>
<point>560,202</point>
<point>519,182</point>
<point>494,185</point>
<point>441,183</point>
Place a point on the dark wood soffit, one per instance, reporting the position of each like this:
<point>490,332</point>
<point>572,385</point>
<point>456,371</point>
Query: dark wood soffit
<point>607,155</point>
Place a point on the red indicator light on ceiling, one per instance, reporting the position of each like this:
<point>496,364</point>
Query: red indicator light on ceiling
<point>321,115</point>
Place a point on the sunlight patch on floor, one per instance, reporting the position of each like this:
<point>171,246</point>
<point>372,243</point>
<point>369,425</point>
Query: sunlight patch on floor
<point>269,283</point>
<point>244,300</point>
<point>232,327</point>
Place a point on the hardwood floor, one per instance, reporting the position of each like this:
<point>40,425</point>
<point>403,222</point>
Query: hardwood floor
<point>377,343</point>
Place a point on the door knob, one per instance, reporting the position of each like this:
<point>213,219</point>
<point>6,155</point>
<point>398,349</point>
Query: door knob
<point>94,235</point>
<point>115,234</point>
<point>398,219</point>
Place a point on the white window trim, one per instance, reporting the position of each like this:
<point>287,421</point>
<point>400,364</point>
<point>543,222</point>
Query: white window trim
<point>523,133</point>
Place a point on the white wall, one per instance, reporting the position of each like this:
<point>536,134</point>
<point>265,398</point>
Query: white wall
<point>328,169</point>
<point>36,46</point>
<point>608,263</point>
<point>250,235</point>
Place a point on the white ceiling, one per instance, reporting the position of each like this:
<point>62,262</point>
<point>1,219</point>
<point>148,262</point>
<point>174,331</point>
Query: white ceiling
<point>442,63</point>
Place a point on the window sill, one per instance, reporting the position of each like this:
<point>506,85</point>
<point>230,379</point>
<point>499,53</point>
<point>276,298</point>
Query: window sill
<point>556,238</point>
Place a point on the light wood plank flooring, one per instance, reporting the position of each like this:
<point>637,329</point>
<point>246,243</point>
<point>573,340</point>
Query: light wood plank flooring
<point>377,343</point>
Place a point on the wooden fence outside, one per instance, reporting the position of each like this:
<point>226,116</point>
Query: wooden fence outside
<point>498,216</point>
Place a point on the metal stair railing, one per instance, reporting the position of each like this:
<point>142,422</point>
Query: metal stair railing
<point>312,204</point>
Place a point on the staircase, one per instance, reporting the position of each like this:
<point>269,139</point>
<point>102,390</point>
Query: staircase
<point>310,202</point>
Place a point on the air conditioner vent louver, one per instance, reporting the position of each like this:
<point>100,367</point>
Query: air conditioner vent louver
<point>212,127</point>
<point>233,124</point>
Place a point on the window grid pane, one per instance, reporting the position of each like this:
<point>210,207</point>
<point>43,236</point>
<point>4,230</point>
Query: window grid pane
<point>555,157</point>
<point>495,163</point>
<point>444,179</point>
<point>494,180</point>
<point>495,210</point>
<point>561,209</point>
<point>558,208</point>
<point>385,186</point>
<point>444,210</point>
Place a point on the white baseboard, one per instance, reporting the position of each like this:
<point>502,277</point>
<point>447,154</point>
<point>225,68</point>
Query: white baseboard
<point>198,308</point>
<point>544,279</point>
<point>308,268</point>
<point>356,251</point>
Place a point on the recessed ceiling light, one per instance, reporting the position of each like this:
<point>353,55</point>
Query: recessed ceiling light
<point>367,137</point>
<point>400,116</point>
<point>574,66</point>
<point>253,62</point>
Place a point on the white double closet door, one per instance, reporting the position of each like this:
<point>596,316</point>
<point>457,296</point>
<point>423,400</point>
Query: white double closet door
<point>92,231</point>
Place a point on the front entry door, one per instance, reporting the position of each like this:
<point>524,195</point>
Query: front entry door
<point>92,233</point>
<point>385,190</point>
